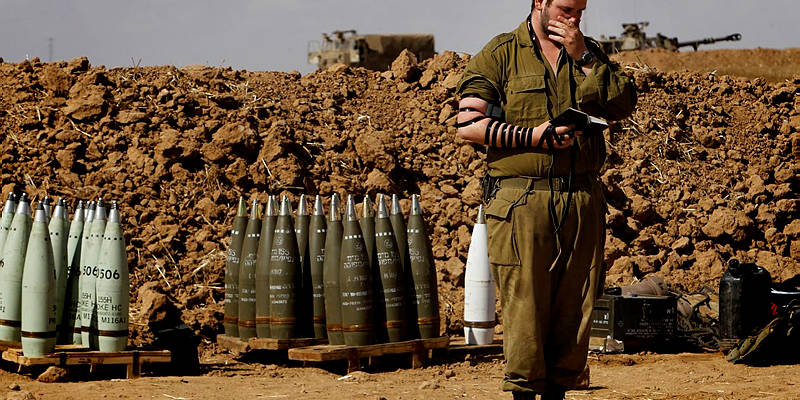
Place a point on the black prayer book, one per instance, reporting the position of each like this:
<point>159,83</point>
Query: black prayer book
<point>583,122</point>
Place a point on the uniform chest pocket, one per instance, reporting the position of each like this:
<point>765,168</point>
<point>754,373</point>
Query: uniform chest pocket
<point>526,100</point>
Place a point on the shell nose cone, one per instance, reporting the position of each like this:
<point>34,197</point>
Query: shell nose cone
<point>100,210</point>
<point>113,214</point>
<point>351,209</point>
<point>382,211</point>
<point>335,216</point>
<point>481,215</point>
<point>302,207</point>
<point>396,205</point>
<point>318,207</point>
<point>59,212</point>
<point>367,209</point>
<point>241,209</point>
<point>416,209</point>
<point>24,206</point>
<point>286,206</point>
<point>254,209</point>
<point>40,215</point>
<point>272,206</point>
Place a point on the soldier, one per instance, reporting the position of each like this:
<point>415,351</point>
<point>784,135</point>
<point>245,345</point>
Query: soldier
<point>544,202</point>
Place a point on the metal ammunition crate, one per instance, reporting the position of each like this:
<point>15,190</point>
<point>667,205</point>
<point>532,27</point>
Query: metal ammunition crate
<point>638,321</point>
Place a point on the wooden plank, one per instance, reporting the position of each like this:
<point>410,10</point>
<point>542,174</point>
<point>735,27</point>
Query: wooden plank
<point>459,345</point>
<point>282,344</point>
<point>340,352</point>
<point>233,344</point>
<point>88,357</point>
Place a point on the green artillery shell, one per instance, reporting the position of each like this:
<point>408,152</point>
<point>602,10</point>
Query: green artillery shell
<point>88,281</point>
<point>391,281</point>
<point>11,273</point>
<point>284,276</point>
<point>262,268</point>
<point>247,274</point>
<point>6,219</point>
<point>87,226</point>
<point>367,223</point>
<point>355,282</point>
<point>67,333</point>
<point>317,230</point>
<point>330,275</point>
<point>38,291</point>
<point>58,240</point>
<point>423,272</point>
<point>231,321</point>
<point>305,302</point>
<point>400,233</point>
<point>401,238</point>
<point>112,287</point>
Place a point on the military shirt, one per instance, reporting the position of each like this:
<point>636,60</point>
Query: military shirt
<point>511,71</point>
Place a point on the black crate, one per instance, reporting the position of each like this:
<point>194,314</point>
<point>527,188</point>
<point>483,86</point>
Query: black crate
<point>638,321</point>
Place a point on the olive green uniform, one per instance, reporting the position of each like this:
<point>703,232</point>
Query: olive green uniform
<point>547,281</point>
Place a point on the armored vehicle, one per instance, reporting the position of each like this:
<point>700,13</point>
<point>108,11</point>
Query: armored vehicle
<point>375,52</point>
<point>634,38</point>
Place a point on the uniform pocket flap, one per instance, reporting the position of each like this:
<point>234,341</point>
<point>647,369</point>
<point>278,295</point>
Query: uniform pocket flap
<point>505,199</point>
<point>528,83</point>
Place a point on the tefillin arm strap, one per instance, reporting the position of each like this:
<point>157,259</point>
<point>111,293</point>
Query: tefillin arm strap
<point>504,135</point>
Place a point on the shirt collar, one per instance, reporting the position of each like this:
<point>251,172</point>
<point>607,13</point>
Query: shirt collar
<point>524,34</point>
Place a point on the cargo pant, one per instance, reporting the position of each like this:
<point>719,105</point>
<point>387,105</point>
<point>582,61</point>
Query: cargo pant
<point>546,311</point>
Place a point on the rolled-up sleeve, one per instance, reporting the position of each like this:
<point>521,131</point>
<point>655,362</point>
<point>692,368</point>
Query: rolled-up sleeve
<point>481,77</point>
<point>607,92</point>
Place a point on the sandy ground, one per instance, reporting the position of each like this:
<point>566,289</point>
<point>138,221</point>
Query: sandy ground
<point>638,376</point>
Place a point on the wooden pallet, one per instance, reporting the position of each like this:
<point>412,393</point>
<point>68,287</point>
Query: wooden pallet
<point>418,349</point>
<point>69,355</point>
<point>239,346</point>
<point>459,345</point>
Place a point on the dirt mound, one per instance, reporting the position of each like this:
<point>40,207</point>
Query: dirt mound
<point>769,64</point>
<point>705,170</point>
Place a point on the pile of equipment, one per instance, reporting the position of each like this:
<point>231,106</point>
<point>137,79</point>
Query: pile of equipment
<point>60,281</point>
<point>355,281</point>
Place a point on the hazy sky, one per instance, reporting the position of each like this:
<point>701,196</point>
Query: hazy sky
<point>273,34</point>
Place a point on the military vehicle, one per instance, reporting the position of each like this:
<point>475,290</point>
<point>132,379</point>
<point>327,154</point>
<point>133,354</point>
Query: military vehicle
<point>634,38</point>
<point>373,51</point>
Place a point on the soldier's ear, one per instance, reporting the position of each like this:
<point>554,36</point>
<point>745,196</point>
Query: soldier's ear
<point>538,5</point>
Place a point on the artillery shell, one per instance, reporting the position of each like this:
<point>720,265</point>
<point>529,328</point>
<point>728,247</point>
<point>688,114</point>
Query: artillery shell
<point>231,321</point>
<point>262,268</point>
<point>423,273</point>
<point>391,284</point>
<point>67,333</point>
<point>330,274</point>
<point>317,230</point>
<point>284,276</point>
<point>113,287</point>
<point>88,305</point>
<point>355,281</point>
<point>247,274</point>
<point>38,291</point>
<point>479,287</point>
<point>14,252</point>
<point>58,240</point>
<point>305,296</point>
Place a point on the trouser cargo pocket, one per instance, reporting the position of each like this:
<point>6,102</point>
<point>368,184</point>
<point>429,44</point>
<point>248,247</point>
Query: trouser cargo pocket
<point>503,246</point>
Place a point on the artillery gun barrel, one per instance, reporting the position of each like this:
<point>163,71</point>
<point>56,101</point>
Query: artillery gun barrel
<point>696,43</point>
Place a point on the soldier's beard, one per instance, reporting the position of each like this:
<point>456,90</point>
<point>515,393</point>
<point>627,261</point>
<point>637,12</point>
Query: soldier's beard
<point>544,20</point>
